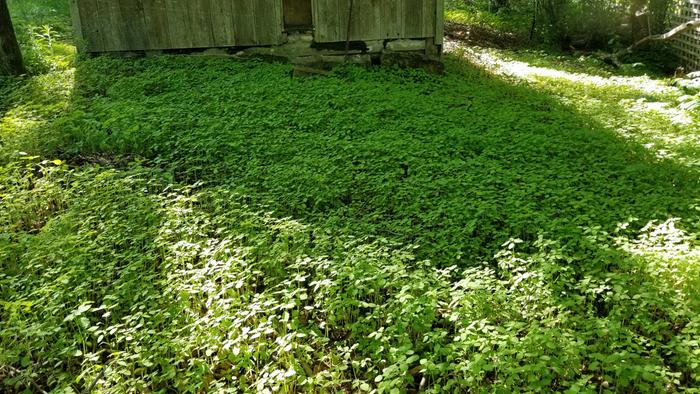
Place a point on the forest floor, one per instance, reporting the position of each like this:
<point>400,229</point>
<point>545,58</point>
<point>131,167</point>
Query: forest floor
<point>526,222</point>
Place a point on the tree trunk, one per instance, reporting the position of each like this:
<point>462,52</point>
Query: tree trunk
<point>659,12</point>
<point>637,21</point>
<point>10,55</point>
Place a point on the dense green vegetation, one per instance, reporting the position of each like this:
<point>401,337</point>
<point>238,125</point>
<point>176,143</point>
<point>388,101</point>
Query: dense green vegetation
<point>583,24</point>
<point>195,224</point>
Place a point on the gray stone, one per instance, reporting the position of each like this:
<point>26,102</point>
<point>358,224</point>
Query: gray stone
<point>298,37</point>
<point>406,45</point>
<point>307,60</point>
<point>689,86</point>
<point>355,59</point>
<point>375,46</point>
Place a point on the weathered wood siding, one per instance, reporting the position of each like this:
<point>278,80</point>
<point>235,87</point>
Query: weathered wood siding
<point>376,19</point>
<point>128,25</point>
<point>133,25</point>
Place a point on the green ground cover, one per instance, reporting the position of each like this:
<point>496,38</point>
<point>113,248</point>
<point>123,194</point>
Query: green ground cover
<point>195,224</point>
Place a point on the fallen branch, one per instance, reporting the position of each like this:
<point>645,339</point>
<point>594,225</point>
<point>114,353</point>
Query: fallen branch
<point>694,24</point>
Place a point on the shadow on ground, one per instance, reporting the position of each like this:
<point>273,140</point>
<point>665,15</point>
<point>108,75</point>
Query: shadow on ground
<point>465,166</point>
<point>456,164</point>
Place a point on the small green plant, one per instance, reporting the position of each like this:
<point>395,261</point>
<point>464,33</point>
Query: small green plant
<point>191,224</point>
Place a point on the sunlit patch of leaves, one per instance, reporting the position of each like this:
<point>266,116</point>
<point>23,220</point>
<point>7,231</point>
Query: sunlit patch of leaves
<point>216,226</point>
<point>197,290</point>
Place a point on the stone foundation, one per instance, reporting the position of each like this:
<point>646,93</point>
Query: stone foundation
<point>301,50</point>
<point>307,55</point>
<point>314,58</point>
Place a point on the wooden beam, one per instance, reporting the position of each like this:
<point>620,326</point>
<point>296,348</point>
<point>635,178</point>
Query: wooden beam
<point>439,21</point>
<point>77,26</point>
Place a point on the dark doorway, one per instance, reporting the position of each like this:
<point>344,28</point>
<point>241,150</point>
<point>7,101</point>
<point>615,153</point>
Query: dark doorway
<point>297,15</point>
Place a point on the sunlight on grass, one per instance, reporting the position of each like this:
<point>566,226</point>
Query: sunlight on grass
<point>491,60</point>
<point>643,109</point>
<point>665,240</point>
<point>668,110</point>
<point>188,224</point>
<point>513,23</point>
<point>31,108</point>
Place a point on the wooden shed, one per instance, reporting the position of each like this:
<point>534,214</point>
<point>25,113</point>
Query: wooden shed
<point>295,29</point>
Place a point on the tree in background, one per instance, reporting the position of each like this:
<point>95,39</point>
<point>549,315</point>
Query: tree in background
<point>10,55</point>
<point>583,24</point>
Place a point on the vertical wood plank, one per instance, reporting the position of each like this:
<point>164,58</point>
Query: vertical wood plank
<point>365,24</point>
<point>222,22</point>
<point>377,18</point>
<point>244,22</point>
<point>439,21</point>
<point>392,18</point>
<point>230,6</point>
<point>261,20</point>
<point>326,20</point>
<point>359,23</point>
<point>315,19</point>
<point>413,18</point>
<point>89,15</point>
<point>341,31</point>
<point>157,29</point>
<point>202,26</point>
<point>178,24</point>
<point>338,26</point>
<point>278,21</point>
<point>77,24</point>
<point>202,22</point>
<point>110,25</point>
<point>368,15</point>
<point>130,14</point>
<point>428,23</point>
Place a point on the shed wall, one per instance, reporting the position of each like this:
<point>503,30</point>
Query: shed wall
<point>130,25</point>
<point>375,19</point>
<point>134,25</point>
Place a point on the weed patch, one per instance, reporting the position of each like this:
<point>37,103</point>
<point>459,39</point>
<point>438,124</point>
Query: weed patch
<point>193,224</point>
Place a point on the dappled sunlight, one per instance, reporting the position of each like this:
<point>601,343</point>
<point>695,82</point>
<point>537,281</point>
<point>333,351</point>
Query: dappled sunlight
<point>378,229</point>
<point>670,256</point>
<point>33,107</point>
<point>665,240</point>
<point>671,112</point>
<point>647,111</point>
<point>503,66</point>
<point>260,305</point>
<point>255,244</point>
